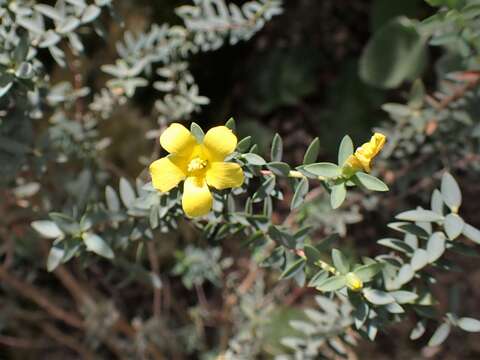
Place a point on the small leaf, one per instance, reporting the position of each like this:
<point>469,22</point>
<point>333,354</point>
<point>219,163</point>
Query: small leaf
<point>340,262</point>
<point>293,269</point>
<point>419,259</point>
<point>472,233</point>
<point>47,229</point>
<point>378,297</point>
<point>404,297</point>
<point>96,244</point>
<point>55,257</point>
<point>345,150</point>
<point>396,244</point>
<point>279,168</point>
<point>453,226</point>
<point>244,144</point>
<point>197,132</point>
<point>127,194</point>
<point>367,272</point>
<point>254,159</point>
<point>301,190</point>
<point>436,202</point>
<point>312,152</point>
<point>440,335</point>
<point>370,182</point>
<point>113,203</point>
<point>276,152</point>
<point>421,215</point>
<point>231,124</point>
<point>337,196</point>
<point>418,330</point>
<point>318,278</point>
<point>451,193</point>
<point>405,275</point>
<point>90,13</point>
<point>311,253</point>
<point>332,284</point>
<point>435,246</point>
<point>469,324</point>
<point>325,169</point>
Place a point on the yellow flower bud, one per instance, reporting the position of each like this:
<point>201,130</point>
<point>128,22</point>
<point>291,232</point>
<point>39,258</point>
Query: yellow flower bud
<point>362,159</point>
<point>354,283</point>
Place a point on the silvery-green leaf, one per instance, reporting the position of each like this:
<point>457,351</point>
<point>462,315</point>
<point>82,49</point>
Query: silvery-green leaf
<point>469,324</point>
<point>418,330</point>
<point>451,193</point>
<point>370,182</point>
<point>378,297</point>
<point>440,335</point>
<point>338,194</point>
<point>331,284</point>
<point>127,194</point>
<point>90,14</point>
<point>54,258</point>
<point>47,229</point>
<point>472,233</point>
<point>254,159</point>
<point>421,215</point>
<point>276,152</point>
<point>435,246</point>
<point>345,150</point>
<point>312,152</point>
<point>404,297</point>
<point>367,272</point>
<point>96,244</point>
<point>340,262</point>
<point>324,169</point>
<point>419,259</point>
<point>453,226</point>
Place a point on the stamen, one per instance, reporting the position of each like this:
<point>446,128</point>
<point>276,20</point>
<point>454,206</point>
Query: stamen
<point>196,164</point>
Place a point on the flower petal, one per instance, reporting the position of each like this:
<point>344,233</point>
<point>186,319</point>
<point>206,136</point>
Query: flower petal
<point>197,199</point>
<point>224,175</point>
<point>176,139</point>
<point>167,172</point>
<point>219,142</point>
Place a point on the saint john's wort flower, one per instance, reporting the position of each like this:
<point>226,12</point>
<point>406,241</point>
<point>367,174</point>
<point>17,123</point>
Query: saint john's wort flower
<point>362,159</point>
<point>200,165</point>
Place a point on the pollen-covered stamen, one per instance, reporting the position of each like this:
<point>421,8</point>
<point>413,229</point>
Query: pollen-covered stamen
<point>196,164</point>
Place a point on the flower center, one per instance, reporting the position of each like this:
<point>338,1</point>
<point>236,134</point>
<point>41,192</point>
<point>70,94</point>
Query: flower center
<point>196,164</point>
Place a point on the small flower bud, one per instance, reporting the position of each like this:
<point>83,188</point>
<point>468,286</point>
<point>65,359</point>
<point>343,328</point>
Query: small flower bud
<point>354,283</point>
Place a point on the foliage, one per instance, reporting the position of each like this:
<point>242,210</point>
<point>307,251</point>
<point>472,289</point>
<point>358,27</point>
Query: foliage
<point>140,279</point>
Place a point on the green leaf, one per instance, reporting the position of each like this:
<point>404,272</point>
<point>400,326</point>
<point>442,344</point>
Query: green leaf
<point>378,297</point>
<point>113,203</point>
<point>440,335</point>
<point>301,190</point>
<point>453,226</point>
<point>96,244</point>
<point>265,189</point>
<point>345,150</point>
<point>324,169</point>
<point>231,124</point>
<point>244,144</point>
<point>276,151</point>
<point>127,194</point>
<point>404,275</point>
<point>90,13</point>
<point>197,132</point>
<point>340,262</point>
<point>370,182</point>
<point>332,284</point>
<point>367,272</point>
<point>436,202</point>
<point>312,254</point>
<point>396,244</point>
<point>279,168</point>
<point>404,297</point>
<point>435,246</point>
<point>293,269</point>
<point>472,233</point>
<point>419,259</point>
<point>395,53</point>
<point>421,215</point>
<point>254,159</point>
<point>318,278</point>
<point>469,324</point>
<point>54,258</point>
<point>47,229</point>
<point>451,193</point>
<point>361,313</point>
<point>312,152</point>
<point>338,195</point>
<point>418,330</point>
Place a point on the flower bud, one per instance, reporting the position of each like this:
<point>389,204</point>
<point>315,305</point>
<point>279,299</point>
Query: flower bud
<point>354,283</point>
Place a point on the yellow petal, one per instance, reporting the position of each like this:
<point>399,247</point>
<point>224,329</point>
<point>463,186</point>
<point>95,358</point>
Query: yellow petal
<point>167,172</point>
<point>219,142</point>
<point>176,139</point>
<point>197,199</point>
<point>224,175</point>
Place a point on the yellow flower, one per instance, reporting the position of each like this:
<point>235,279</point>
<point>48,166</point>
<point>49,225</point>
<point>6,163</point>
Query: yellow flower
<point>364,155</point>
<point>200,165</point>
<point>354,283</point>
